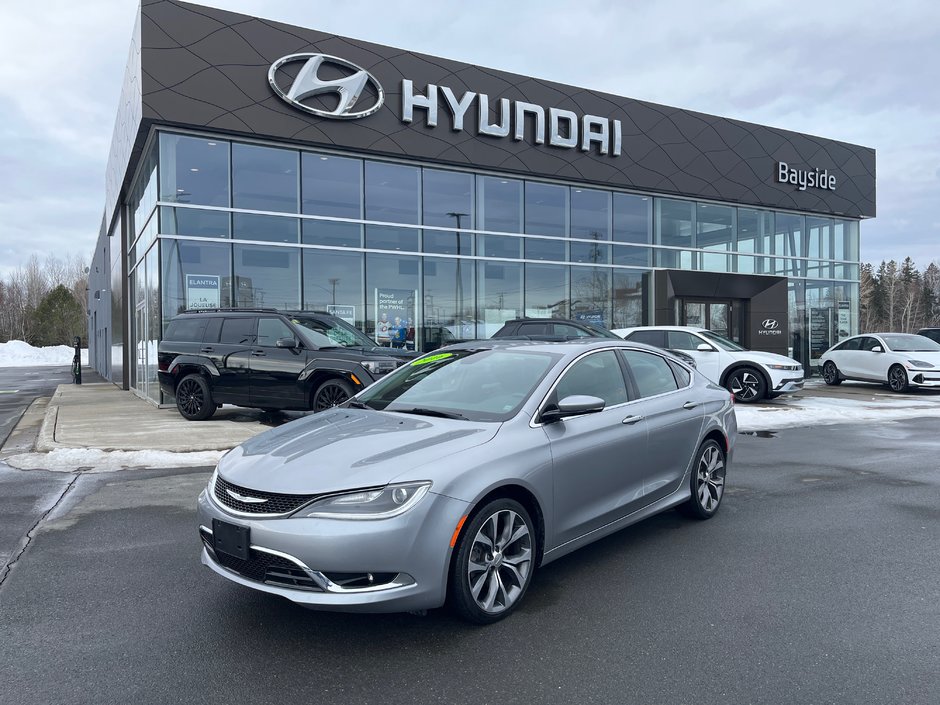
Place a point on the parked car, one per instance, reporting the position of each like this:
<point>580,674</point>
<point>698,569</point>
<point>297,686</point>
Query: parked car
<point>932,333</point>
<point>264,358</point>
<point>899,360</point>
<point>455,477</point>
<point>751,375</point>
<point>561,329</point>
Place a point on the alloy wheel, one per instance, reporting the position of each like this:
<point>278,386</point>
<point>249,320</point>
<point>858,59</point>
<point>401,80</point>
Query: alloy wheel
<point>829,373</point>
<point>745,385</point>
<point>897,379</point>
<point>711,478</point>
<point>189,397</point>
<point>500,561</point>
<point>329,396</point>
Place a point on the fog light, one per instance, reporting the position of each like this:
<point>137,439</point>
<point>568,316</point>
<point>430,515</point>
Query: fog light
<point>399,495</point>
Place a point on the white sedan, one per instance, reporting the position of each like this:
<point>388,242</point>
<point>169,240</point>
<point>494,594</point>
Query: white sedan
<point>896,359</point>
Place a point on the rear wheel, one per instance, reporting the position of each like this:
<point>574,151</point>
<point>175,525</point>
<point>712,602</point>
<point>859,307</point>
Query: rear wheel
<point>897,378</point>
<point>193,398</point>
<point>708,482</point>
<point>329,394</point>
<point>494,563</point>
<point>831,374</point>
<point>747,385</point>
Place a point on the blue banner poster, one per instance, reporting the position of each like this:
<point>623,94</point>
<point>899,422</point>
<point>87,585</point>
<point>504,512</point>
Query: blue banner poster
<point>395,317</point>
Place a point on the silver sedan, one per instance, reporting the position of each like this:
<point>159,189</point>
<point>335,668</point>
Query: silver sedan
<point>455,477</point>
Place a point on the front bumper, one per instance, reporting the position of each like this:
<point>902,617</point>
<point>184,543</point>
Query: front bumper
<point>786,386</point>
<point>924,378</point>
<point>327,564</point>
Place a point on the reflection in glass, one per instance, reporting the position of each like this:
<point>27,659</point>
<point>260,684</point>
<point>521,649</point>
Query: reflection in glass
<point>630,296</point>
<point>714,230</point>
<point>331,186</point>
<point>386,237</point>
<point>539,248</point>
<point>334,279</point>
<point>674,227</point>
<point>194,170</point>
<point>788,240</point>
<point>591,294</point>
<point>392,193</point>
<point>332,232</point>
<point>589,252</point>
<point>144,197</point>
<point>632,218</point>
<point>499,246</point>
<point>448,302</point>
<point>590,214</point>
<point>265,178</point>
<point>546,291</point>
<point>447,198</point>
<point>270,228</point>
<point>632,256</point>
<point>194,222</point>
<point>267,277</point>
<point>499,295</point>
<point>546,209</point>
<point>500,203</point>
<point>448,243</point>
<point>392,274</point>
<point>181,258</point>
<point>754,228</point>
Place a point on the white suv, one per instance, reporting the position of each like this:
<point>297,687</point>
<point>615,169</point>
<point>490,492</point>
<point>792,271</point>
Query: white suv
<point>750,375</point>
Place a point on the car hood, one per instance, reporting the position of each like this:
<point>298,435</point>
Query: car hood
<point>765,357</point>
<point>344,449</point>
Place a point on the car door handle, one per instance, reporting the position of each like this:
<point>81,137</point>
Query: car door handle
<point>630,420</point>
<point>207,350</point>
<point>690,405</point>
<point>257,353</point>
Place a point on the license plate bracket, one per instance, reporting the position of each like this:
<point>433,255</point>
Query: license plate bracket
<point>231,539</point>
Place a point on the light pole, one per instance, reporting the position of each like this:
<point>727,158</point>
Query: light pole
<point>333,282</point>
<point>459,291</point>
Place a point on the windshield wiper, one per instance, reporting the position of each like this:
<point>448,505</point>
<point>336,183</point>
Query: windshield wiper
<point>356,404</point>
<point>431,412</point>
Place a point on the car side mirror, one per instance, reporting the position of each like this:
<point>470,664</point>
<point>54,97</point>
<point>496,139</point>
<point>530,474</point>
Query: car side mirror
<point>573,405</point>
<point>705,347</point>
<point>286,343</point>
<point>877,348</point>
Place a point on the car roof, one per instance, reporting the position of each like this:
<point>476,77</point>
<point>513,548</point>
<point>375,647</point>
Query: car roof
<point>571,348</point>
<point>695,329</point>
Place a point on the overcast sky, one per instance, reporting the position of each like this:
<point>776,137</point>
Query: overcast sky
<point>860,72</point>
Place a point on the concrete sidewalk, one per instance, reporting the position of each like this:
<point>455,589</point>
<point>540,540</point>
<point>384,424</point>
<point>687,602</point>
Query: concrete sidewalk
<point>102,416</point>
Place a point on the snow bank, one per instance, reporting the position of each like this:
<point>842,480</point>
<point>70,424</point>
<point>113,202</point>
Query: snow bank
<point>827,411</point>
<point>95,460</point>
<point>16,353</point>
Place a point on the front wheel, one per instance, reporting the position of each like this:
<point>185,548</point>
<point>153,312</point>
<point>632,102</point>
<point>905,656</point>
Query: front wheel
<point>708,481</point>
<point>329,394</point>
<point>747,385</point>
<point>194,399</point>
<point>897,379</point>
<point>494,563</point>
<point>831,374</point>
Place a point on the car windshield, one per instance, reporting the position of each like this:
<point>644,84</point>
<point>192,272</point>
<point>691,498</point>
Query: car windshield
<point>902,342</point>
<point>478,385</point>
<point>721,341</point>
<point>336,333</point>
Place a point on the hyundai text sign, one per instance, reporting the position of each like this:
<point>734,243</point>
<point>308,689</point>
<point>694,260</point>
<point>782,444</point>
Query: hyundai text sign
<point>556,127</point>
<point>770,326</point>
<point>308,83</point>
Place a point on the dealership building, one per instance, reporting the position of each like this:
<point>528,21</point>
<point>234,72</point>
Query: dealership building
<point>260,165</point>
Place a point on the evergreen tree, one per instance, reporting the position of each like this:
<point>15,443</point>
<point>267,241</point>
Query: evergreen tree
<point>59,318</point>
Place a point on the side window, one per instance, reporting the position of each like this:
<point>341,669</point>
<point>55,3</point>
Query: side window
<point>597,375</point>
<point>238,331</point>
<point>566,331</point>
<point>187,330</point>
<point>213,329</point>
<point>270,329</point>
<point>680,340</point>
<point>531,329</point>
<point>852,344</point>
<point>652,373</point>
<point>683,376</point>
<point>650,337</point>
<point>869,343</point>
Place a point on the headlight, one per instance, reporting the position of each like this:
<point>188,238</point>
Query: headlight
<point>215,474</point>
<point>784,367</point>
<point>382,503</point>
<point>918,363</point>
<point>377,368</point>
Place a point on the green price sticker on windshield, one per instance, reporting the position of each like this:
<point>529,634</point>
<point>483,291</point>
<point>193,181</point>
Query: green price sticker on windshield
<point>431,358</point>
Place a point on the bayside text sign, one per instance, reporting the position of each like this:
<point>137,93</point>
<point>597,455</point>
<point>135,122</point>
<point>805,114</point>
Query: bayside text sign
<point>804,178</point>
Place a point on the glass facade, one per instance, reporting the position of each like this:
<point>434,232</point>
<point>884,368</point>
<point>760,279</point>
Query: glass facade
<point>214,222</point>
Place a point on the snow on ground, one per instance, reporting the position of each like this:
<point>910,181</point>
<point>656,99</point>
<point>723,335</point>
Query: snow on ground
<point>826,411</point>
<point>95,460</point>
<point>16,353</point>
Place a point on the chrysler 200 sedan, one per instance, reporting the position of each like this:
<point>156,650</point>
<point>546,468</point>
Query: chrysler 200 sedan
<point>455,477</point>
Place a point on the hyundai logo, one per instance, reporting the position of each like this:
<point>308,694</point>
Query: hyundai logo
<point>308,83</point>
<point>244,498</point>
<point>770,324</point>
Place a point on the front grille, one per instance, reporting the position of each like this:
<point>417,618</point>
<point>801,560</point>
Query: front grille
<point>264,568</point>
<point>274,503</point>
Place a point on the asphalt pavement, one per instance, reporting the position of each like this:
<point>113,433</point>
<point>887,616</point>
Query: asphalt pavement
<point>817,582</point>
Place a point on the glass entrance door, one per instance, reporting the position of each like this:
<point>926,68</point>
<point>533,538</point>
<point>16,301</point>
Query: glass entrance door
<point>714,315</point>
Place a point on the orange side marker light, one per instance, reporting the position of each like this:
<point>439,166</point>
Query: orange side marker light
<point>453,539</point>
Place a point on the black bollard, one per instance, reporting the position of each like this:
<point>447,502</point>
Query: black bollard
<point>77,361</point>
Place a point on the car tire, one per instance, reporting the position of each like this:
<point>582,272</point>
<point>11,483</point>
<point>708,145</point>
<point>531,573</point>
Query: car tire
<point>747,384</point>
<point>831,374</point>
<point>897,379</point>
<point>494,563</point>
<point>194,399</point>
<point>332,392</point>
<point>707,481</point>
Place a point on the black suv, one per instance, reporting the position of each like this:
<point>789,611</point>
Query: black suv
<point>265,358</point>
<point>932,333</point>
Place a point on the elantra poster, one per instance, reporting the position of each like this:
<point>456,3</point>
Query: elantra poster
<point>202,291</point>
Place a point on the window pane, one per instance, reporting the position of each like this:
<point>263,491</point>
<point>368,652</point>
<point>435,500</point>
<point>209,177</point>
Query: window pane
<point>448,303</point>
<point>270,228</point>
<point>331,186</point>
<point>391,290</point>
<point>501,204</point>
<point>788,241</point>
<point>591,253</point>
<point>194,170</point>
<point>270,330</point>
<point>205,260</point>
<point>392,193</point>
<point>598,375</point>
<point>331,232</point>
<point>447,243</point>
<point>499,246</point>
<point>754,229</point>
<point>680,340</point>
<point>632,218</point>
<point>237,331</point>
<point>267,277</point>
<point>590,214</point>
<point>538,248</point>
<point>384,237</point>
<point>633,256</point>
<point>195,222</point>
<point>714,230</point>
<point>145,194</point>
<point>674,228</point>
<point>265,179</point>
<point>651,373</point>
<point>546,209</point>
<point>631,294</point>
<point>448,198</point>
<point>546,291</point>
<point>334,279</point>
<point>499,292</point>
<point>590,294</point>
